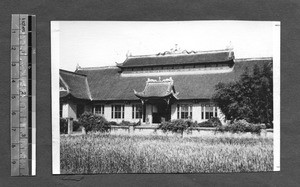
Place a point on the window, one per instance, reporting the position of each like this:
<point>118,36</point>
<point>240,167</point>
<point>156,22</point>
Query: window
<point>208,112</point>
<point>99,109</point>
<point>137,111</point>
<point>117,111</point>
<point>184,111</point>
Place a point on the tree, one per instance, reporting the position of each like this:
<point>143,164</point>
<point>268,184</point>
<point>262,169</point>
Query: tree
<point>249,98</point>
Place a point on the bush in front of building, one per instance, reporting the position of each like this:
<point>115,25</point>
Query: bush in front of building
<point>124,123</point>
<point>177,126</point>
<point>241,126</point>
<point>76,125</point>
<point>113,123</point>
<point>212,122</point>
<point>63,124</point>
<point>93,122</point>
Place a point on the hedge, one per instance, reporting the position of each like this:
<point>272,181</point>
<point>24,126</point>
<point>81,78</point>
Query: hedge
<point>124,123</point>
<point>241,126</point>
<point>212,122</point>
<point>175,125</point>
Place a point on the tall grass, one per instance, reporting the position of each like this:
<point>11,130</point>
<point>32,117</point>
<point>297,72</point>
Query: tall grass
<point>105,153</point>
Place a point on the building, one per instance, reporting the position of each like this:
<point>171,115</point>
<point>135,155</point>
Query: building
<point>152,88</point>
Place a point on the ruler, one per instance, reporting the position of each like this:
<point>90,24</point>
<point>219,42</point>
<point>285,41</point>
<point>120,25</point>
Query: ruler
<point>23,94</point>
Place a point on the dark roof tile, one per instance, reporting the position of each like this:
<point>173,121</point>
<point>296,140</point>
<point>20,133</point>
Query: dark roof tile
<point>76,83</point>
<point>108,84</point>
<point>157,88</point>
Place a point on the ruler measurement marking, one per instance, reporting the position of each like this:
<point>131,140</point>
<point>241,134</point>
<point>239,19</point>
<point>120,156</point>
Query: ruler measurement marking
<point>22,56</point>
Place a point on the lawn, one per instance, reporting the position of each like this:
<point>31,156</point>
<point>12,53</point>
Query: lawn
<point>105,153</point>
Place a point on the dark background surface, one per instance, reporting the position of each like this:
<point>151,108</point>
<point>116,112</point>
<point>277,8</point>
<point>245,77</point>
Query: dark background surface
<point>286,11</point>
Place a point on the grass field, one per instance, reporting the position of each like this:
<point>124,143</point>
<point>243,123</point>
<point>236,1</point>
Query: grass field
<point>104,153</point>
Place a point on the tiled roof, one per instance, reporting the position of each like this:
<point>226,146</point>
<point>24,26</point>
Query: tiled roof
<point>108,84</point>
<point>157,88</point>
<point>194,58</point>
<point>76,83</point>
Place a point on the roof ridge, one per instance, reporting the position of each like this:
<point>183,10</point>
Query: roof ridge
<point>97,68</point>
<point>71,72</point>
<point>252,59</point>
<point>180,54</point>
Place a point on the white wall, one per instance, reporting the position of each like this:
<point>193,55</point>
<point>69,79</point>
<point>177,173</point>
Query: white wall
<point>197,112</point>
<point>65,112</point>
<point>72,110</point>
<point>173,111</point>
<point>69,110</point>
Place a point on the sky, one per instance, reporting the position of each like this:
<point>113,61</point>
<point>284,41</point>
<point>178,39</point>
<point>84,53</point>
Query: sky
<point>103,43</point>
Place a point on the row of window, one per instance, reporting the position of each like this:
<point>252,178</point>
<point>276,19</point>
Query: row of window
<point>186,112</point>
<point>183,111</point>
<point>117,111</point>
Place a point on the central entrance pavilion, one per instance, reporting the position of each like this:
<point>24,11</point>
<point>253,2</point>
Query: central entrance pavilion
<point>157,98</point>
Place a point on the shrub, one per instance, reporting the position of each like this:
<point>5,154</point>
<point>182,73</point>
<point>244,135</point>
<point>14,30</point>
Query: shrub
<point>93,122</point>
<point>63,125</point>
<point>242,126</point>
<point>204,124</point>
<point>124,123</point>
<point>212,122</point>
<point>175,125</point>
<point>215,122</point>
<point>113,123</point>
<point>76,125</point>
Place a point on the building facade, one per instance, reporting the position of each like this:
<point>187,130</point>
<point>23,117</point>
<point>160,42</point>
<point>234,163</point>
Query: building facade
<point>153,88</point>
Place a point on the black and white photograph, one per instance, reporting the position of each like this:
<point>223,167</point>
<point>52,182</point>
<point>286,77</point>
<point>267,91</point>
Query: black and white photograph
<point>165,96</point>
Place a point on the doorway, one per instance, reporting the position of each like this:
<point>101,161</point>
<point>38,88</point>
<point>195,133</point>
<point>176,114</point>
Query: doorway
<point>161,112</point>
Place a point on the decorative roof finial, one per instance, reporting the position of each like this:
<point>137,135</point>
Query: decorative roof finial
<point>128,54</point>
<point>77,66</point>
<point>229,46</point>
